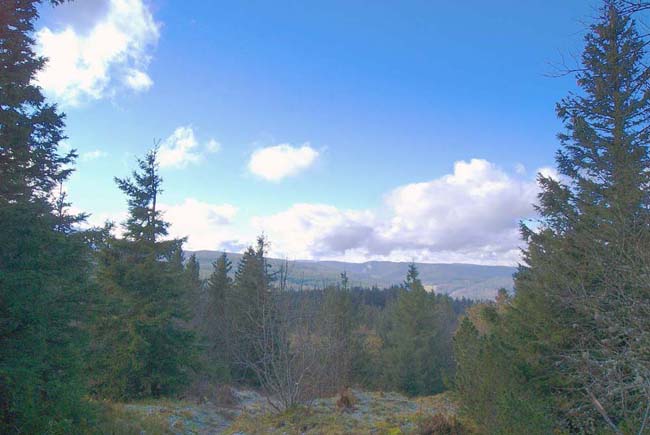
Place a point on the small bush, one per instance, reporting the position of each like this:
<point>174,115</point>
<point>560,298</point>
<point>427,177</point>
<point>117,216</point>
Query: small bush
<point>346,400</point>
<point>440,424</point>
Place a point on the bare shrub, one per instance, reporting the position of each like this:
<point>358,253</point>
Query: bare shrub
<point>346,400</point>
<point>440,424</point>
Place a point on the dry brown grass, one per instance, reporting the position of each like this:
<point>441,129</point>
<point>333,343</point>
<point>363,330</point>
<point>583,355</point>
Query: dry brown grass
<point>441,424</point>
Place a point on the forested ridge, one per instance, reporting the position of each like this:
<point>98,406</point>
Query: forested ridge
<point>93,316</point>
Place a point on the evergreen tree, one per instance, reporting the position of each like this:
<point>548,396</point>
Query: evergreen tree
<point>577,328</point>
<point>344,280</point>
<point>220,281</point>
<point>195,295</point>
<point>335,324</point>
<point>411,342</point>
<point>43,261</point>
<point>217,322</point>
<point>494,392</point>
<point>143,349</point>
<point>247,305</point>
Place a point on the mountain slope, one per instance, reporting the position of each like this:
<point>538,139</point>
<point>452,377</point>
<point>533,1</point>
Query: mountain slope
<point>458,280</point>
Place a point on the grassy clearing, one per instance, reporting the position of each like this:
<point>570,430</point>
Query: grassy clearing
<point>373,413</point>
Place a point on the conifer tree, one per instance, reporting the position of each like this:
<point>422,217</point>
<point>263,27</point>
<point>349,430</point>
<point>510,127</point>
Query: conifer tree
<point>220,281</point>
<point>193,271</point>
<point>143,348</point>
<point>411,348</point>
<point>219,330</point>
<point>195,295</point>
<point>43,261</point>
<point>577,331</point>
<point>249,302</point>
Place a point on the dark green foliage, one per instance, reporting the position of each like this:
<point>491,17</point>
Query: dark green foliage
<point>249,297</point>
<point>30,128</point>
<point>494,389</point>
<point>573,343</point>
<point>43,262</point>
<point>220,283</point>
<point>417,353</point>
<point>375,338</point>
<point>192,271</point>
<point>43,280</point>
<point>142,347</point>
<point>585,267</point>
<point>216,325</point>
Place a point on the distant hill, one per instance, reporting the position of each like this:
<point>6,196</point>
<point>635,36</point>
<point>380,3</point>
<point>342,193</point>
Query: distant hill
<point>457,280</point>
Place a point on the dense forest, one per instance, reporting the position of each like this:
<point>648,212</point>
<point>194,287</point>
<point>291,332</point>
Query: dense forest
<point>91,315</point>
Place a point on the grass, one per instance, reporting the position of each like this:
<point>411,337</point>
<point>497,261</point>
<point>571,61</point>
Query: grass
<point>375,413</point>
<point>117,419</point>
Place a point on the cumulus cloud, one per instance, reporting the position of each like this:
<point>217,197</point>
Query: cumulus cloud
<point>89,61</point>
<point>206,226</point>
<point>182,148</point>
<point>280,161</point>
<point>470,215</point>
<point>305,230</point>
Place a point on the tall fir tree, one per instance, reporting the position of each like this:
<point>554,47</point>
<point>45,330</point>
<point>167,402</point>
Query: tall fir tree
<point>219,330</point>
<point>411,347</point>
<point>142,347</point>
<point>249,300</point>
<point>43,260</point>
<point>577,330</point>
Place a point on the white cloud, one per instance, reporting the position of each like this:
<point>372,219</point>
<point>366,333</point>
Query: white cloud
<point>212,146</point>
<point>100,218</point>
<point>470,215</point>
<point>138,80</point>
<point>177,149</point>
<point>182,148</point>
<point>93,155</point>
<point>277,162</point>
<point>207,226</point>
<point>92,63</point>
<point>301,232</point>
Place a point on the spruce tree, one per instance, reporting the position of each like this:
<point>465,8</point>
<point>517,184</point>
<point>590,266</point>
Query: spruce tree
<point>411,348</point>
<point>143,348</point>
<point>577,331</point>
<point>248,305</point>
<point>43,260</point>
<point>217,323</point>
<point>220,282</point>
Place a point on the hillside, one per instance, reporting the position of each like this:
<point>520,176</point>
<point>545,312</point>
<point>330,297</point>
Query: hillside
<point>457,280</point>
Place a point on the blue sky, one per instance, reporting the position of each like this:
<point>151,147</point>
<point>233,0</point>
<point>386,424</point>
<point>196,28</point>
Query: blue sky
<point>348,130</point>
